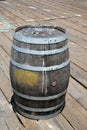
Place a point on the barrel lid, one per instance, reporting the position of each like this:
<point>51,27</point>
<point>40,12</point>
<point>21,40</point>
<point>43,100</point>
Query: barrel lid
<point>40,34</point>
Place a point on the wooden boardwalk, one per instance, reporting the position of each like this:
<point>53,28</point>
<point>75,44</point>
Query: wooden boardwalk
<point>70,14</point>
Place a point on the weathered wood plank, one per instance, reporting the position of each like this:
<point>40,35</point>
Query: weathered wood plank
<point>9,16</point>
<point>5,43</point>
<point>4,62</point>
<point>15,11</point>
<point>41,11</point>
<point>5,49</point>
<point>75,114</point>
<point>30,124</point>
<point>6,6</point>
<point>37,10</point>
<point>78,74</point>
<point>76,40</point>
<point>4,67</point>
<point>8,115</point>
<point>78,59</point>
<point>64,123</point>
<point>66,6</point>
<point>3,125</point>
<point>5,85</point>
<point>78,92</point>
<point>81,5</point>
<point>4,56</point>
<point>35,13</point>
<point>61,10</point>
<point>51,124</point>
<point>57,123</point>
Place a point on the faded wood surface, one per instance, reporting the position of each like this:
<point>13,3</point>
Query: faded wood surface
<point>7,116</point>
<point>72,15</point>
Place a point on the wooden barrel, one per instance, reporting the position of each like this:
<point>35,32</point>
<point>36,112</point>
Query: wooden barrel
<point>39,70</point>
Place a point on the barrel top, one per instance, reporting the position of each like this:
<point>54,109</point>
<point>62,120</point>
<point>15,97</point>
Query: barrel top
<point>40,34</point>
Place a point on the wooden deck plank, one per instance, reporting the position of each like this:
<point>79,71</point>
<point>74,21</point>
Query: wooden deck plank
<point>30,124</point>
<point>5,43</point>
<point>4,67</point>
<point>78,59</point>
<point>78,92</point>
<point>8,115</point>
<point>75,114</point>
<point>15,12</point>
<point>58,12</point>
<point>78,74</point>
<point>32,9</point>
<point>57,123</point>
<point>76,40</point>
<point>3,125</point>
<point>4,56</point>
<point>62,11</point>
<point>75,4</point>
<point>76,26</point>
<point>11,17</point>
<point>66,6</point>
<point>5,85</point>
<point>20,13</point>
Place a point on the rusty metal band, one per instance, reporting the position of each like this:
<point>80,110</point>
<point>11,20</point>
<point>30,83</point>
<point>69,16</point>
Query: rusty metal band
<point>35,52</point>
<point>31,40</point>
<point>38,117</point>
<point>39,109</point>
<point>39,98</point>
<point>39,68</point>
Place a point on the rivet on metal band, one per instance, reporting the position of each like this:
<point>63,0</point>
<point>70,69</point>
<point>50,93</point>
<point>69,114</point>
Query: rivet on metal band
<point>39,98</point>
<point>39,109</point>
<point>30,40</point>
<point>35,52</point>
<point>39,68</point>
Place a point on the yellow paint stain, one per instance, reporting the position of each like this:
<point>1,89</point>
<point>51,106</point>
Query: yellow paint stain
<point>26,77</point>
